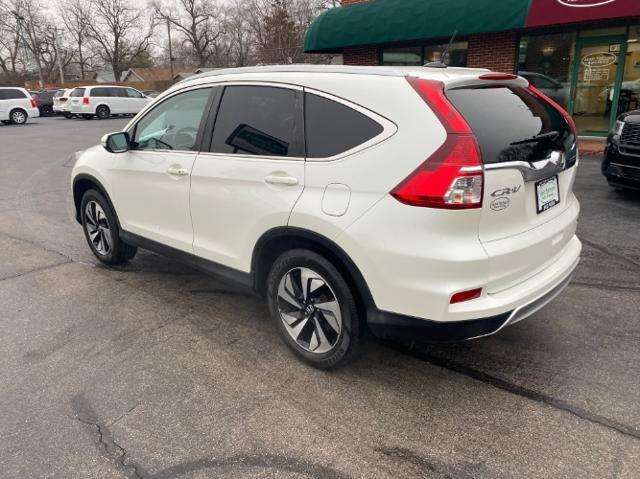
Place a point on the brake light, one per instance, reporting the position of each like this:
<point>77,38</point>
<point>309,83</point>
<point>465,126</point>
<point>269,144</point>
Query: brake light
<point>85,101</point>
<point>564,112</point>
<point>498,76</point>
<point>453,177</point>
<point>34,104</point>
<point>466,296</point>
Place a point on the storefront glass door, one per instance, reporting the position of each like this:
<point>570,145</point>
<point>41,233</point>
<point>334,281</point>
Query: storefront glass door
<point>596,87</point>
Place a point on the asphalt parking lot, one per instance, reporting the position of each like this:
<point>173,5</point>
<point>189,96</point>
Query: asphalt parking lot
<point>155,370</point>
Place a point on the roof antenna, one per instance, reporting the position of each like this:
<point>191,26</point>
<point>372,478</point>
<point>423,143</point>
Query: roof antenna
<point>443,55</point>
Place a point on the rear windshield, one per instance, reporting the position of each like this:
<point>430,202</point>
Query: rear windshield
<point>512,123</point>
<point>77,92</point>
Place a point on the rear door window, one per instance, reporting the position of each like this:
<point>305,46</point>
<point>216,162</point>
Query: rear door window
<point>512,123</point>
<point>332,128</point>
<point>258,120</point>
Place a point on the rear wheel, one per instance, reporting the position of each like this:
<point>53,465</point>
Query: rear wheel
<point>101,230</point>
<point>313,308</point>
<point>68,116</point>
<point>46,110</point>
<point>103,112</point>
<point>18,117</point>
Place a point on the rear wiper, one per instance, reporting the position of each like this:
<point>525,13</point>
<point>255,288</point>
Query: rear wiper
<point>552,135</point>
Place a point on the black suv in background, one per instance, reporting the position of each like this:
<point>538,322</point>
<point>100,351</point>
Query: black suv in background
<point>621,164</point>
<point>44,101</point>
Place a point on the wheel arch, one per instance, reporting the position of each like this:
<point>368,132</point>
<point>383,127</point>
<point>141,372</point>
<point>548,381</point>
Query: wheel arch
<point>81,184</point>
<point>278,240</point>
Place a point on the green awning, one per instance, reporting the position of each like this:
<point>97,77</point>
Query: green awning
<point>388,21</point>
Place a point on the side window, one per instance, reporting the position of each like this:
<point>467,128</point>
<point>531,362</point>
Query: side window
<point>97,92</point>
<point>258,120</point>
<point>13,94</point>
<point>174,123</point>
<point>3,94</point>
<point>131,93</point>
<point>117,92</point>
<point>77,92</point>
<point>332,128</point>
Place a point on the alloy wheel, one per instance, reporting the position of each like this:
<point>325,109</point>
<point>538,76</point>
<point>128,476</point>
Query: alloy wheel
<point>18,117</point>
<point>98,228</point>
<point>309,310</point>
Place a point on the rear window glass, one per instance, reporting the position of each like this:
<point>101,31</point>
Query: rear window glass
<point>332,128</point>
<point>512,123</point>
<point>77,92</point>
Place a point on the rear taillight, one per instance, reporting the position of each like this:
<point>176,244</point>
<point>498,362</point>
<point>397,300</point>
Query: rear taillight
<point>564,112</point>
<point>34,103</point>
<point>85,101</point>
<point>451,178</point>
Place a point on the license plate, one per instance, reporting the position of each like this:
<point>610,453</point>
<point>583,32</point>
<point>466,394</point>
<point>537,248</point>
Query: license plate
<point>547,194</point>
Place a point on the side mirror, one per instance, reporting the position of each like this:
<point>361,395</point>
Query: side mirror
<point>116,142</point>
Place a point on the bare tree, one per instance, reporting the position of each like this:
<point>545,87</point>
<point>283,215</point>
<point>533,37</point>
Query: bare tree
<point>121,31</point>
<point>9,42</point>
<point>76,17</point>
<point>198,21</point>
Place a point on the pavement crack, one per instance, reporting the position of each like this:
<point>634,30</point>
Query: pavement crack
<point>36,244</point>
<point>35,270</point>
<point>104,438</point>
<point>525,392</point>
<point>608,252</point>
<point>612,287</point>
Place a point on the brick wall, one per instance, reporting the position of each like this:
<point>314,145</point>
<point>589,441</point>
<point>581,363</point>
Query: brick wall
<point>496,51</point>
<point>361,56</point>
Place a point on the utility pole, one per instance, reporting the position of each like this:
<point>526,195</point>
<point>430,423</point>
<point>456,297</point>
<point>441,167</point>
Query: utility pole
<point>170,48</point>
<point>57,51</point>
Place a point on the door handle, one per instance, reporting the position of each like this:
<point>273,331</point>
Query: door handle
<point>177,171</point>
<point>281,180</point>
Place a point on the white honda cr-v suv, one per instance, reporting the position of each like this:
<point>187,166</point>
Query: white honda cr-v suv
<point>420,202</point>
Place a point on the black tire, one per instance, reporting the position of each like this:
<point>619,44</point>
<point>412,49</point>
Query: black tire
<point>6,122</point>
<point>68,116</point>
<point>118,252</point>
<point>103,112</point>
<point>87,117</point>
<point>47,110</point>
<point>18,116</point>
<point>343,345</point>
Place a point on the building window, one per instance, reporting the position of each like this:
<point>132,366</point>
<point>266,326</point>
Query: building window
<point>545,60</point>
<point>457,56</point>
<point>411,56</point>
<point>418,55</point>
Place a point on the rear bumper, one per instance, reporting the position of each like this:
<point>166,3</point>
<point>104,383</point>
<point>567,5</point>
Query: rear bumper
<point>405,328</point>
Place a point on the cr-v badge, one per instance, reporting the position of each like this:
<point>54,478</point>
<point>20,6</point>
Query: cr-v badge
<point>502,200</point>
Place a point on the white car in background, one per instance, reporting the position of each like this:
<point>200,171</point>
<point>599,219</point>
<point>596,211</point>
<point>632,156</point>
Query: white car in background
<point>62,103</point>
<point>105,101</point>
<point>16,106</point>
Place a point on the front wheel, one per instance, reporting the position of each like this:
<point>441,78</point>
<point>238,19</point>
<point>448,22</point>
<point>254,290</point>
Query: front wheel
<point>314,309</point>
<point>101,230</point>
